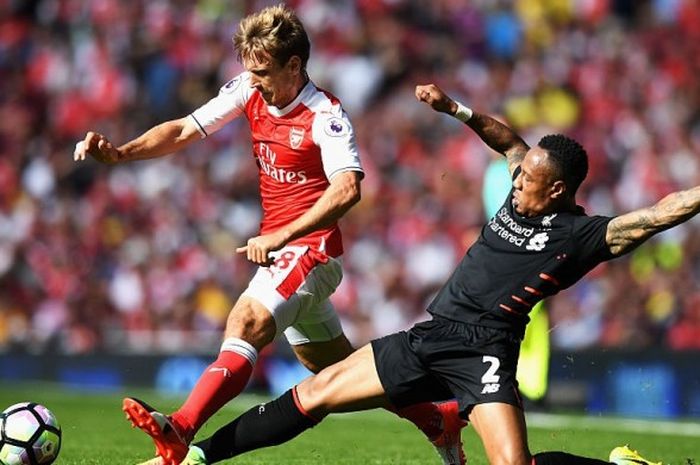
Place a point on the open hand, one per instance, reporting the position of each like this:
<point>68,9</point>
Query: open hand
<point>98,146</point>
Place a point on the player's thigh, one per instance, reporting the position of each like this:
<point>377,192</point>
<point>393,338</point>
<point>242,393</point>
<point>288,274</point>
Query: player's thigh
<point>503,433</point>
<point>349,385</point>
<point>477,363</point>
<point>297,283</point>
<point>318,355</point>
<point>402,369</point>
<point>316,334</point>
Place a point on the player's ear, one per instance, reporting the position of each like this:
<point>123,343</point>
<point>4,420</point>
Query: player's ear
<point>558,189</point>
<point>294,64</point>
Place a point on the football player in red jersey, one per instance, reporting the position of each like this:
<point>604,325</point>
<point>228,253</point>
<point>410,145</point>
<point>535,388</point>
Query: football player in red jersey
<point>309,175</point>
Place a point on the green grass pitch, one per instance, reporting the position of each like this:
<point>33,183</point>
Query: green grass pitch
<point>95,432</point>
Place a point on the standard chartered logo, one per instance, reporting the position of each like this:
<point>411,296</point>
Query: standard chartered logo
<point>508,229</point>
<point>511,231</point>
<point>537,242</point>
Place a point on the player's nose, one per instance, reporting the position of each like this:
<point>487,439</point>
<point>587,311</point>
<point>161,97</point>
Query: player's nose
<point>516,183</point>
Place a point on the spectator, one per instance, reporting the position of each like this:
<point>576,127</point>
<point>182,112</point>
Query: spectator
<point>621,79</point>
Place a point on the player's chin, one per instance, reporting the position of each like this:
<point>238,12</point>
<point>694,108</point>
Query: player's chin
<point>519,210</point>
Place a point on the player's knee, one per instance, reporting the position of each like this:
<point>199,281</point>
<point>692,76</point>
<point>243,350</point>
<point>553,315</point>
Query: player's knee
<point>320,385</point>
<point>316,393</point>
<point>254,325</point>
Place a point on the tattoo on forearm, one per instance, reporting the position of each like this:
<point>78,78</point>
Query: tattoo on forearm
<point>627,231</point>
<point>498,136</point>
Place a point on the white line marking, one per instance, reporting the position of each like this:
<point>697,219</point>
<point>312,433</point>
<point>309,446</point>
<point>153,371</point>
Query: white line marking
<point>657,427</point>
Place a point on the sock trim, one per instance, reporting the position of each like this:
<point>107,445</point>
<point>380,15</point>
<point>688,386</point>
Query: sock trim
<point>301,409</point>
<point>241,347</point>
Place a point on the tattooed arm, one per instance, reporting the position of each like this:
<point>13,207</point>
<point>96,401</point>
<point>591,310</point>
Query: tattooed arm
<point>627,231</point>
<point>496,135</point>
<point>500,138</point>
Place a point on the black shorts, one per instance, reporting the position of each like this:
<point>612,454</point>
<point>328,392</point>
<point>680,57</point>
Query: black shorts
<point>441,359</point>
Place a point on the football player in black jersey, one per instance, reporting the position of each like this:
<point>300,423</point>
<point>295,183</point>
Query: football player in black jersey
<point>538,243</point>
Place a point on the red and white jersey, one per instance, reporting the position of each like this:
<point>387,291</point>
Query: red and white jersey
<point>298,149</point>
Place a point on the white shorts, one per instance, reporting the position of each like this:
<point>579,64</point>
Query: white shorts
<point>296,290</point>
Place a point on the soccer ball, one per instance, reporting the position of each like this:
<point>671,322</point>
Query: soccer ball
<point>29,435</point>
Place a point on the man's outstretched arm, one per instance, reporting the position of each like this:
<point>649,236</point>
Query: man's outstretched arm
<point>495,134</point>
<point>163,139</point>
<point>628,231</point>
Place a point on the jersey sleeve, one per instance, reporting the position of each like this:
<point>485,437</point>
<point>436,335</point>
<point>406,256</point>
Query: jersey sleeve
<point>333,133</point>
<point>223,108</point>
<point>590,232</point>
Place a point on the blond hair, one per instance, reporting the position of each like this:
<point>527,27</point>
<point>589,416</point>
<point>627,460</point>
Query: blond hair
<point>276,30</point>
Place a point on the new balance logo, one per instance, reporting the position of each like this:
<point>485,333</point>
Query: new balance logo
<point>224,371</point>
<point>491,388</point>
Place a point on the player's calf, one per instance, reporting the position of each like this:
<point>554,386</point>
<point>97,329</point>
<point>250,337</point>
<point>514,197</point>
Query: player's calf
<point>264,425</point>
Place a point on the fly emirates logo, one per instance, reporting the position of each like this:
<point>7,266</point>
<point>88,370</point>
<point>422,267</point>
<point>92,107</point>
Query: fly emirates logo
<point>509,230</point>
<point>267,158</point>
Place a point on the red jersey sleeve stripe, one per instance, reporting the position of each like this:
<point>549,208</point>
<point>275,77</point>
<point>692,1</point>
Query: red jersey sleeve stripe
<point>549,278</point>
<point>519,300</point>
<point>508,309</point>
<point>533,291</point>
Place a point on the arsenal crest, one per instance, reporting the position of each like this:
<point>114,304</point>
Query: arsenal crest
<point>296,136</point>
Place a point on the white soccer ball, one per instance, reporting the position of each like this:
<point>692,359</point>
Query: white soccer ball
<point>29,435</point>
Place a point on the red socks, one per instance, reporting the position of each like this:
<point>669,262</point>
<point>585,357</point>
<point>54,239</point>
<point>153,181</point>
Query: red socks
<point>221,381</point>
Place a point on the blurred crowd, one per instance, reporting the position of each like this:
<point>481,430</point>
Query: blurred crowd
<point>140,257</point>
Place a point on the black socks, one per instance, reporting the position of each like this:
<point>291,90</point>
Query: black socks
<point>264,425</point>
<point>562,458</point>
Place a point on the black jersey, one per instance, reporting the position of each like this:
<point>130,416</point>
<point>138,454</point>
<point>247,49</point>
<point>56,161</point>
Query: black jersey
<point>517,262</point>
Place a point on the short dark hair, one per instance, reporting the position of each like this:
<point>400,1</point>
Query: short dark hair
<point>570,159</point>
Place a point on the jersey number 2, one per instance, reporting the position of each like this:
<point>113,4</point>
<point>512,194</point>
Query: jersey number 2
<point>490,376</point>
